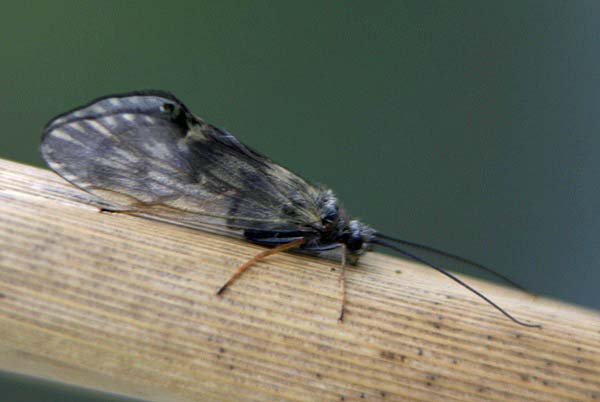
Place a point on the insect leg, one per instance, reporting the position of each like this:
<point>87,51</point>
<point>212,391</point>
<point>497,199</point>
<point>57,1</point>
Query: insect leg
<point>257,258</point>
<point>115,210</point>
<point>343,282</point>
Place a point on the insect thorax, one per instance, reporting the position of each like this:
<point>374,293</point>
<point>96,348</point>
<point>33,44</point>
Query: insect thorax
<point>339,228</point>
<point>333,229</point>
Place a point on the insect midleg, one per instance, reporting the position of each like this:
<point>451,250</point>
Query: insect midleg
<point>244,267</point>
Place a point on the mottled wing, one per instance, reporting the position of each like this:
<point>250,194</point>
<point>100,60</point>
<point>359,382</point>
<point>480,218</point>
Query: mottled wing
<point>146,152</point>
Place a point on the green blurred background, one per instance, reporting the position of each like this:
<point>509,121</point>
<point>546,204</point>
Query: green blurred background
<point>470,126</point>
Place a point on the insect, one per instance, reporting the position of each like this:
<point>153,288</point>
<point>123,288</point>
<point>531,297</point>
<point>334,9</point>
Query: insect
<point>145,153</point>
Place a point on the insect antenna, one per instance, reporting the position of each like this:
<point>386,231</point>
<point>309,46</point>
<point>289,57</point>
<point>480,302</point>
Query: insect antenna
<point>384,243</point>
<point>455,257</point>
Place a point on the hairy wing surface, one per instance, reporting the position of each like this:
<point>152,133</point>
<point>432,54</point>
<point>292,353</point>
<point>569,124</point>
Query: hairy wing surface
<point>146,152</point>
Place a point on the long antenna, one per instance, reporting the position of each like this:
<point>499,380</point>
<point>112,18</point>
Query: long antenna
<point>455,279</point>
<point>454,257</point>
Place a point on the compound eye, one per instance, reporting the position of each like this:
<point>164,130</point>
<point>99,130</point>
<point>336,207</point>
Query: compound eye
<point>355,242</point>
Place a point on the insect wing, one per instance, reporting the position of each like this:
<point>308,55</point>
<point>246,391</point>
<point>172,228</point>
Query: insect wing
<point>146,152</point>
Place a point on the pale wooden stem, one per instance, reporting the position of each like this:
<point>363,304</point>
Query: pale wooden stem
<point>128,305</point>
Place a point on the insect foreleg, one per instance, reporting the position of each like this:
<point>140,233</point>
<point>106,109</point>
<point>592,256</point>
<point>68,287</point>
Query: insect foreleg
<point>342,280</point>
<point>110,210</point>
